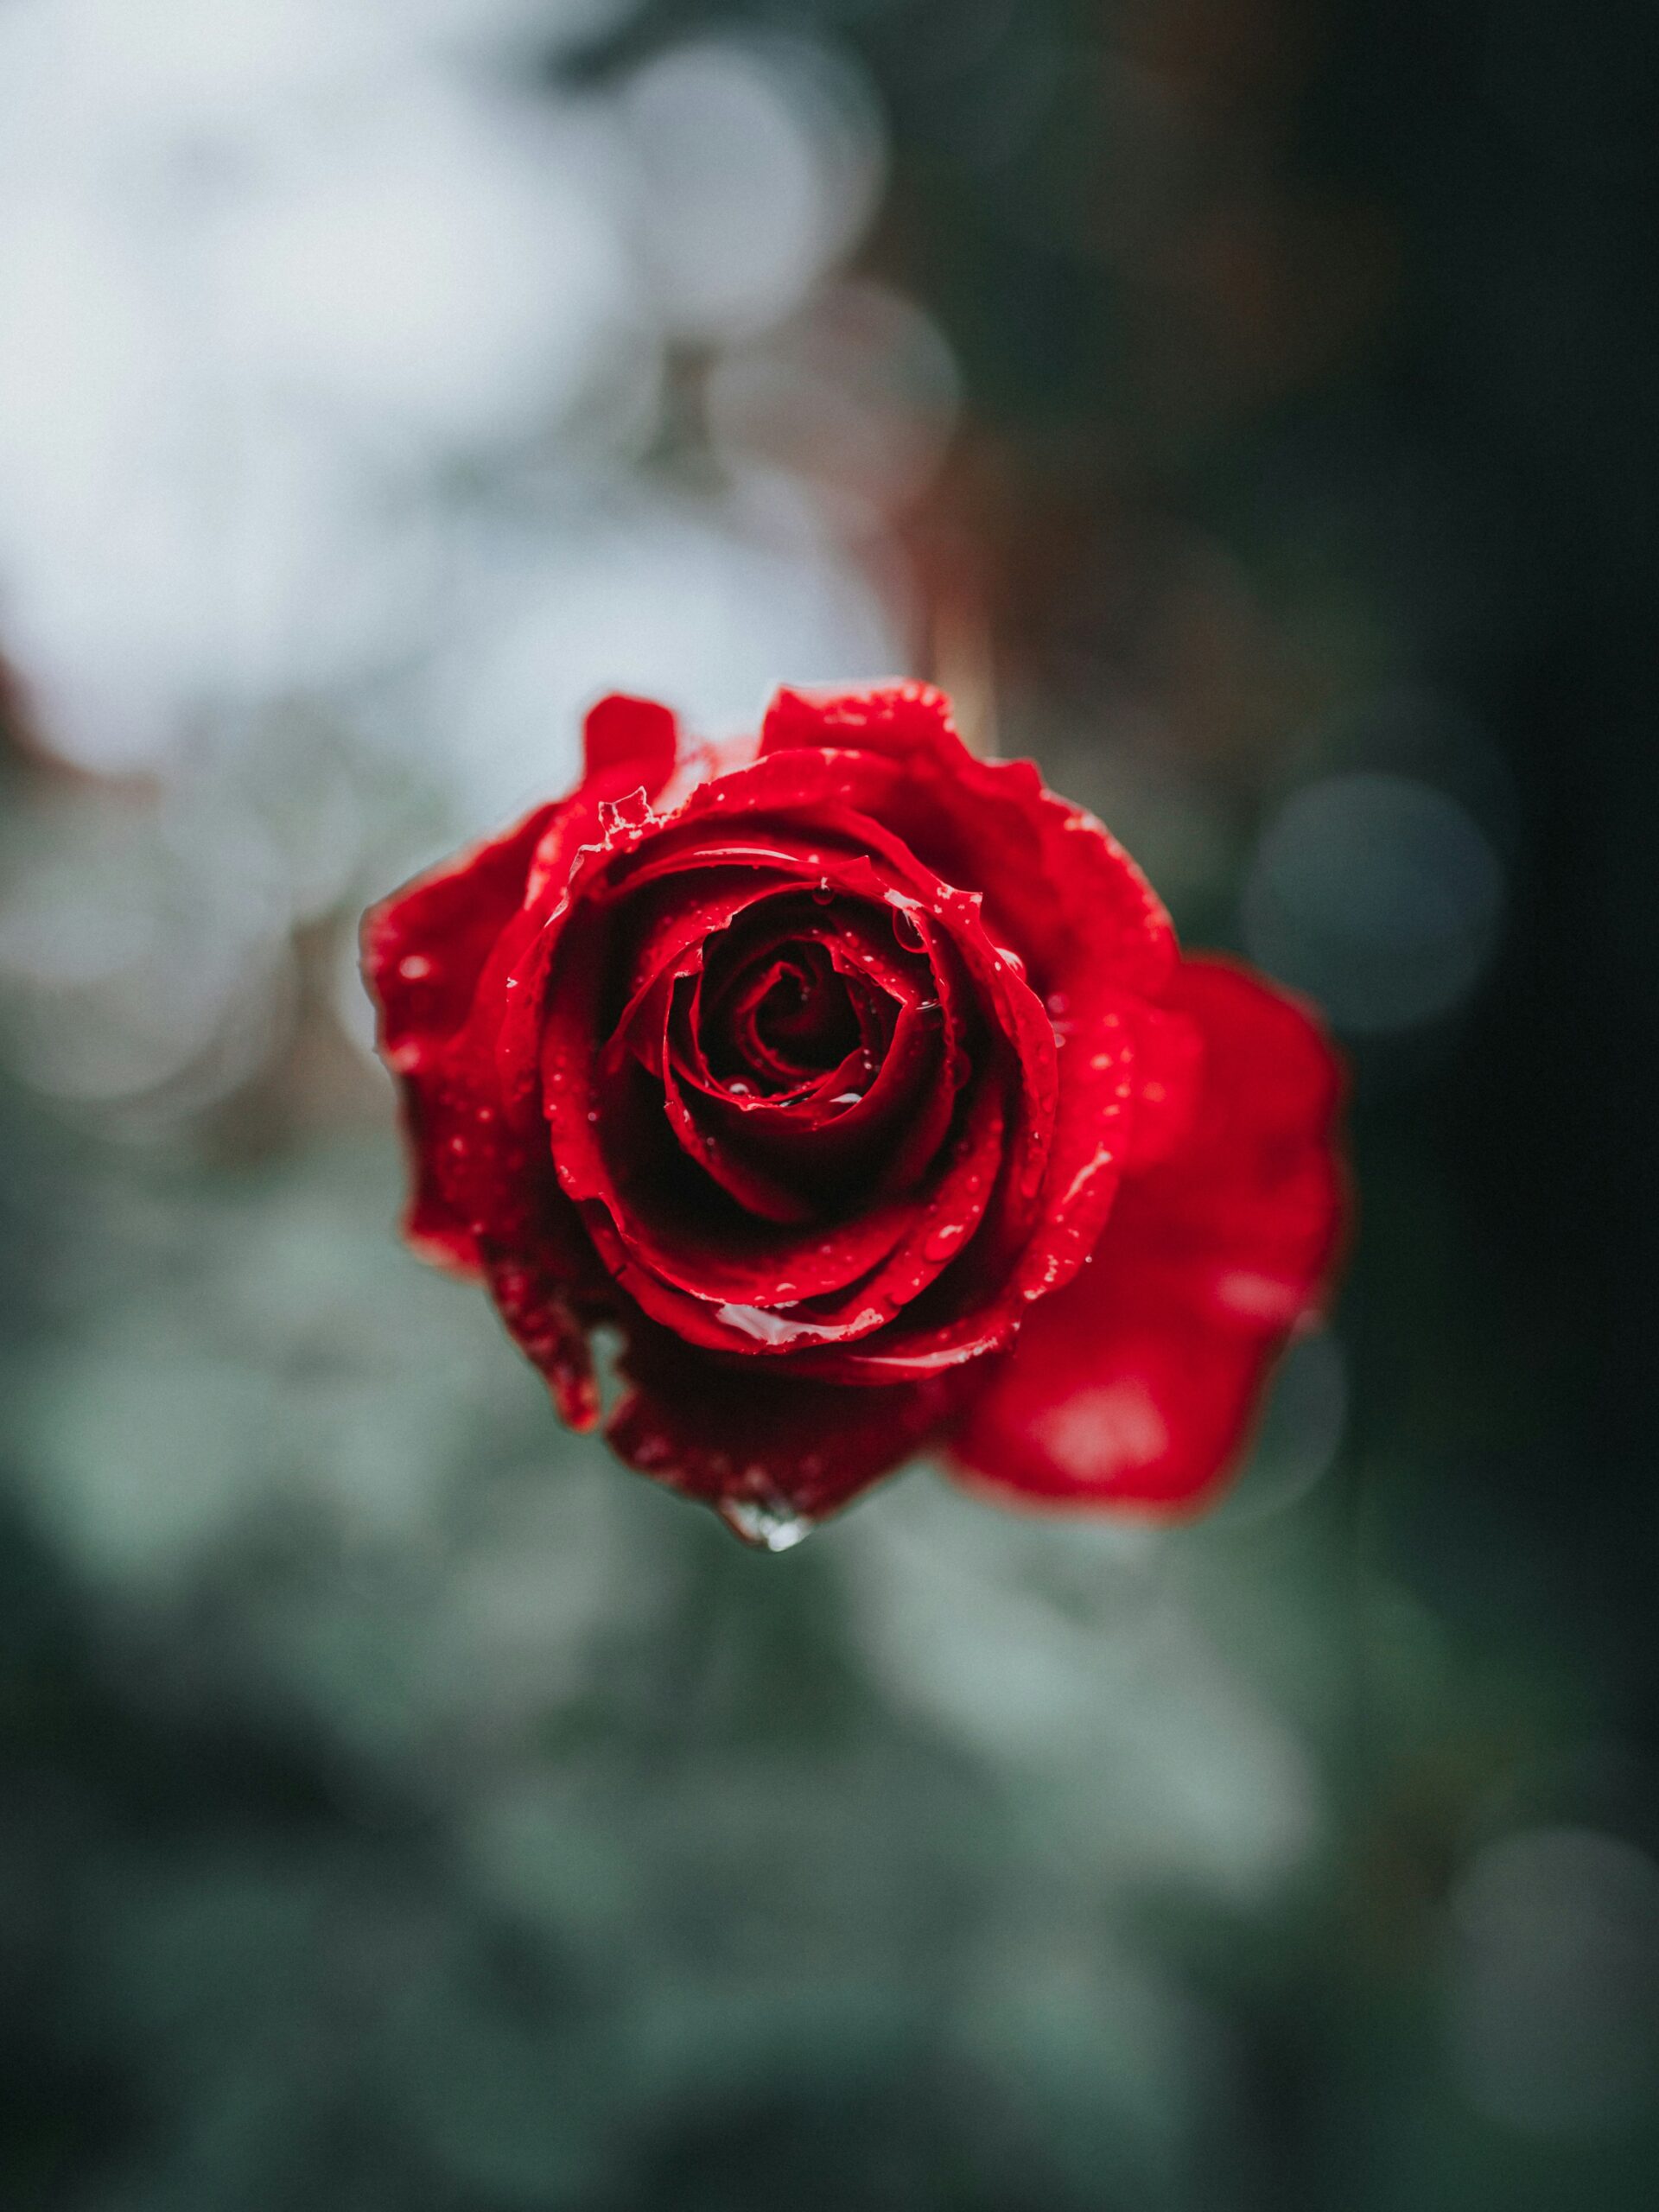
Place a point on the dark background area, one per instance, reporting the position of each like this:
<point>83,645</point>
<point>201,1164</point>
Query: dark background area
<point>478,1828</point>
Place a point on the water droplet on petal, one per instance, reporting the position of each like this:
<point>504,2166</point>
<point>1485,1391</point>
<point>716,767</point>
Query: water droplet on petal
<point>765,1520</point>
<point>906,927</point>
<point>761,1324</point>
<point>414,967</point>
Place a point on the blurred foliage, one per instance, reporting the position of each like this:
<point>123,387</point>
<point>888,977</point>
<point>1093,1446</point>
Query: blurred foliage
<point>406,1808</point>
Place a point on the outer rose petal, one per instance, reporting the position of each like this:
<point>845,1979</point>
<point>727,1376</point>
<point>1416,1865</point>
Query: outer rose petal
<point>536,1308</point>
<point>1135,1386</point>
<point>426,948</point>
<point>1055,882</point>
<point>733,1435</point>
<point>423,951</point>
<point>629,745</point>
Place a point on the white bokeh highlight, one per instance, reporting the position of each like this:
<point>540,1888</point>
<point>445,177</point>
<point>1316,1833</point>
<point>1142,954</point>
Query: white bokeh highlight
<point>331,400</point>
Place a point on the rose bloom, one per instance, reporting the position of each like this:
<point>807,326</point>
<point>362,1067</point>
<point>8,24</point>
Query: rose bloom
<point>859,1086</point>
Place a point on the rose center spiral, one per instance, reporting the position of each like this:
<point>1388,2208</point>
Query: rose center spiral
<point>782,1020</point>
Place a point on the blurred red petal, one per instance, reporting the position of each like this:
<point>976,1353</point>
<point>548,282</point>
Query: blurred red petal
<point>629,745</point>
<point>1136,1386</point>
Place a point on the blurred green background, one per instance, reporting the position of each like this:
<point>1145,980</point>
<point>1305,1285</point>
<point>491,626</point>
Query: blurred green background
<point>1247,407</point>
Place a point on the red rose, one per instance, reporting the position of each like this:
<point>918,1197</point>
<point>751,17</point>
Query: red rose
<point>859,1084</point>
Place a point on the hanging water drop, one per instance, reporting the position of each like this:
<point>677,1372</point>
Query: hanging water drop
<point>905,926</point>
<point>765,1520</point>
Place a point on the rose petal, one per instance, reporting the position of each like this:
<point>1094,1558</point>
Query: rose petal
<point>535,1304</point>
<point>1058,885</point>
<point>880,1145</point>
<point>898,719</point>
<point>1136,1385</point>
<point>688,1263</point>
<point>629,745</point>
<point>1167,1077</point>
<point>736,1283</point>
<point>733,1431</point>
<point>841,798</point>
<point>712,1283</point>
<point>424,949</point>
<point>940,1226</point>
<point>894,1095</point>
